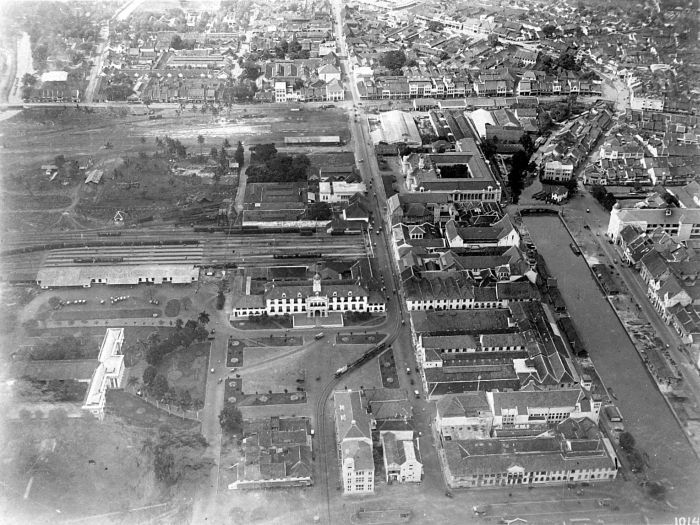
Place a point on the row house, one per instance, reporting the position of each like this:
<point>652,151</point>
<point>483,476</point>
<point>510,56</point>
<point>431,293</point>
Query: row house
<point>622,148</point>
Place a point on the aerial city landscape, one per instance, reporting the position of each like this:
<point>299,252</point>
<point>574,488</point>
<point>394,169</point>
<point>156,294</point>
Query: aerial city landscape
<point>350,262</point>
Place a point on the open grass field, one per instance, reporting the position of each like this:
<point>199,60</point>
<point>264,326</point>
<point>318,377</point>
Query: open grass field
<point>79,467</point>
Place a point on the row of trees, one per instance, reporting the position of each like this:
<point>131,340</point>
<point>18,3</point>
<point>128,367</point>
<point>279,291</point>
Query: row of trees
<point>519,163</point>
<point>602,195</point>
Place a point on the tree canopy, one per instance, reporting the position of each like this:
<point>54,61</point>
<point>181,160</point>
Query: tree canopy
<point>231,419</point>
<point>393,60</point>
<point>278,167</point>
<point>180,457</point>
<point>319,211</point>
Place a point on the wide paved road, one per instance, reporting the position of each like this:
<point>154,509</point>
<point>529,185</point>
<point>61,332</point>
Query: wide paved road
<point>645,412</point>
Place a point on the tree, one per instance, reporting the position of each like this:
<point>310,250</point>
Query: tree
<point>200,333</point>
<point>656,490</point>
<point>627,441</point>
<point>527,143</point>
<point>263,153</point>
<point>178,324</point>
<point>203,318</point>
<point>549,30</point>
<point>213,153</point>
<point>516,176</point>
<point>149,374</point>
<point>200,140</point>
<point>231,419</point>
<point>133,381</point>
<point>159,386</point>
<point>220,300</point>
<point>239,155</point>
<point>227,144</point>
<point>179,457</point>
<point>184,399</point>
<point>393,60</point>
<point>319,211</point>
<point>176,42</point>
<point>29,80</point>
<point>436,26</point>
<point>54,302</point>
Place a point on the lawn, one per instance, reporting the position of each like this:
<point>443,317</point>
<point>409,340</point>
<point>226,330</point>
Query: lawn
<point>96,467</point>
<point>87,315</point>
<point>187,369</point>
<point>275,398</point>
<point>387,369</point>
<point>359,339</point>
<point>235,352</point>
<point>278,340</point>
<point>275,322</point>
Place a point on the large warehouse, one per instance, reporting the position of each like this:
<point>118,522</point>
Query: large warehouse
<point>397,127</point>
<point>120,265</point>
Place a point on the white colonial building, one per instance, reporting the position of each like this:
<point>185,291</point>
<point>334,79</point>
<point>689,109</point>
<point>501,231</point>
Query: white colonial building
<point>313,300</point>
<point>108,374</point>
<point>354,440</point>
<point>401,457</point>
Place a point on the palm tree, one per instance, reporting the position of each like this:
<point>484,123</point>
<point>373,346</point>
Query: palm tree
<point>133,381</point>
<point>200,140</point>
<point>203,318</point>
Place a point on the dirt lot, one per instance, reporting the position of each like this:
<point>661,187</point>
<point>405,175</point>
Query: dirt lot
<point>74,464</point>
<point>104,138</point>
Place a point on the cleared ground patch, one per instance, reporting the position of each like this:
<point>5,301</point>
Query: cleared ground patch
<point>136,412</point>
<point>74,464</point>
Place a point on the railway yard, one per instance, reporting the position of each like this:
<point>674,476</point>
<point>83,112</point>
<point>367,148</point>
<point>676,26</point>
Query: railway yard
<point>24,256</point>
